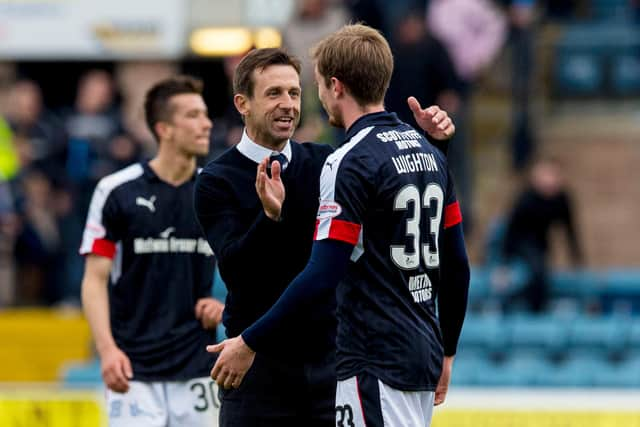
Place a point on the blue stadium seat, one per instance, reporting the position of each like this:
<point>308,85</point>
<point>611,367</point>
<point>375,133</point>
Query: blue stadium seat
<point>600,333</point>
<point>596,59</point>
<point>579,73</point>
<point>219,292</point>
<point>519,370</point>
<point>625,73</point>
<point>466,366</point>
<point>624,283</point>
<point>544,332</point>
<point>82,374</point>
<point>579,370</point>
<point>479,284</point>
<point>621,290</point>
<point>634,335</point>
<point>607,10</point>
<point>623,374</point>
<point>484,333</point>
<point>582,284</point>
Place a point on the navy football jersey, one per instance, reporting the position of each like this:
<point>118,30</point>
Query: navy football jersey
<point>387,191</point>
<point>161,267</point>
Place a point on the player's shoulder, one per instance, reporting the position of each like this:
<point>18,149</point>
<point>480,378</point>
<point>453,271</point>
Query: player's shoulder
<point>314,150</point>
<point>118,179</point>
<point>435,149</point>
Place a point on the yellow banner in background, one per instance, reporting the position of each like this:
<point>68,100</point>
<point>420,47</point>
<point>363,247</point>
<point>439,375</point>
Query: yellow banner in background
<point>515,418</point>
<point>53,409</point>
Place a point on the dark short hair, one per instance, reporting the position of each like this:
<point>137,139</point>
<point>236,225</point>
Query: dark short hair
<point>259,59</point>
<point>157,106</point>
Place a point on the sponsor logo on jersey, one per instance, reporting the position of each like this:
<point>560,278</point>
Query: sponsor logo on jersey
<point>166,233</point>
<point>328,209</point>
<point>169,244</point>
<point>329,163</point>
<point>420,288</point>
<point>147,203</point>
<point>409,137</point>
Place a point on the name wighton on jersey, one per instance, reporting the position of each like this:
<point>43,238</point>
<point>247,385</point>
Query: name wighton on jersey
<point>161,267</point>
<point>388,192</point>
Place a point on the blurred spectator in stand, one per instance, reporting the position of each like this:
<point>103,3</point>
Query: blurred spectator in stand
<point>9,159</point>
<point>93,122</point>
<point>122,151</point>
<point>133,80</point>
<point>91,125</point>
<point>635,7</point>
<point>521,19</point>
<point>383,15</point>
<point>312,20</point>
<point>564,10</point>
<point>38,245</point>
<point>227,129</point>
<point>38,136</point>
<point>473,31</point>
<point>8,225</point>
<point>544,203</point>
<point>422,69</point>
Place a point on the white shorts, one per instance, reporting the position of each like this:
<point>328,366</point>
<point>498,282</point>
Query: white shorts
<point>365,401</point>
<point>192,403</point>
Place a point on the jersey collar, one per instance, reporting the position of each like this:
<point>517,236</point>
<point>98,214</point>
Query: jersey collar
<point>257,152</point>
<point>150,175</point>
<point>381,118</point>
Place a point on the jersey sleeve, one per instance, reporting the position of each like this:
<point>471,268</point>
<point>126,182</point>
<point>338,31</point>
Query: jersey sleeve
<point>101,232</point>
<point>452,213</point>
<point>343,194</point>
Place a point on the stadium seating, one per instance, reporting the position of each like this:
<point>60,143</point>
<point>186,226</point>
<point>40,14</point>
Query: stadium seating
<point>545,333</point>
<point>597,59</point>
<point>484,333</point>
<point>625,73</point>
<point>608,10</point>
<point>571,348</point>
<point>549,350</point>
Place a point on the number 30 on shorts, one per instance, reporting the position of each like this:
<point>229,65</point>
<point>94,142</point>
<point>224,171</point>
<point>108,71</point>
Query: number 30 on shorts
<point>206,394</point>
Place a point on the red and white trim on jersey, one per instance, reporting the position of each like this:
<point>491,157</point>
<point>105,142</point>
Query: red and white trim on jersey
<point>327,227</point>
<point>341,230</point>
<point>93,238</point>
<point>452,215</point>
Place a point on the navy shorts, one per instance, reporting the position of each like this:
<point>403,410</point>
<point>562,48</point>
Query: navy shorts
<point>282,393</point>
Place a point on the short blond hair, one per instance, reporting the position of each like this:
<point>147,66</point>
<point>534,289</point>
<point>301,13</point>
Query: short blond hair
<point>358,56</point>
